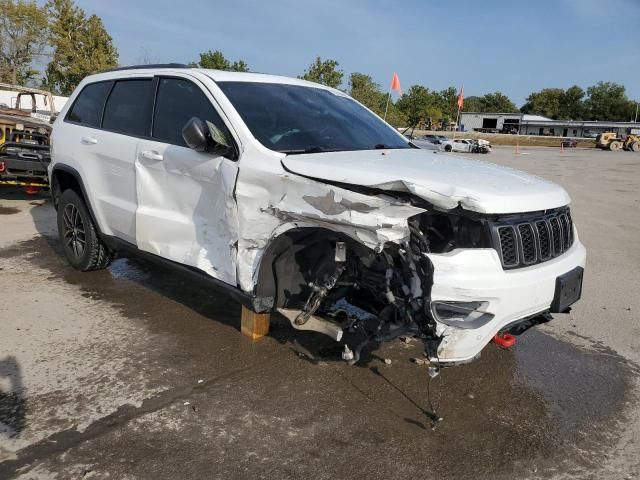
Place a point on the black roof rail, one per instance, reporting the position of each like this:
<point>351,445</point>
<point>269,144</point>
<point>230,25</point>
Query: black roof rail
<point>155,65</point>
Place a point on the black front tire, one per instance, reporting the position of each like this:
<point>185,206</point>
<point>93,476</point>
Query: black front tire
<point>78,235</point>
<point>447,148</point>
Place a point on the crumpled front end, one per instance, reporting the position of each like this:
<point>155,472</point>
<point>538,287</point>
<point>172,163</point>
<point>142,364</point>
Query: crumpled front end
<point>367,265</point>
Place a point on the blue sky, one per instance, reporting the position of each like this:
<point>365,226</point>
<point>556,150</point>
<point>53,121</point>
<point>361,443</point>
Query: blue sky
<point>513,46</point>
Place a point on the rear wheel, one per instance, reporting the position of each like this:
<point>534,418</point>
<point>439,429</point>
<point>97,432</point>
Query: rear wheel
<point>615,146</point>
<point>635,146</point>
<point>447,148</point>
<point>82,246</point>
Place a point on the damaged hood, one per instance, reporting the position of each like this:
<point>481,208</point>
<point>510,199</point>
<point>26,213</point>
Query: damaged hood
<point>445,181</point>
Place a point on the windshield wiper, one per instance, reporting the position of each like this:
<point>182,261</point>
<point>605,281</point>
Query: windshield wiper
<point>384,146</point>
<point>305,150</point>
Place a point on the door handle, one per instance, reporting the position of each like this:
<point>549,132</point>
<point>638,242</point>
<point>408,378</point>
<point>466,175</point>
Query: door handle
<point>151,155</point>
<point>89,140</point>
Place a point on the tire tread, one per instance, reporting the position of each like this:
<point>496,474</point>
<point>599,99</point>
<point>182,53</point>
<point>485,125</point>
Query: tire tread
<point>98,255</point>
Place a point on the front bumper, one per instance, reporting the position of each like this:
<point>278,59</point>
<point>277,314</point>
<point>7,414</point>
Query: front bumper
<point>24,165</point>
<point>469,275</point>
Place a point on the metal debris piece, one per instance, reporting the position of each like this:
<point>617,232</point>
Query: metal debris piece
<point>347,354</point>
<point>387,361</point>
<point>420,361</point>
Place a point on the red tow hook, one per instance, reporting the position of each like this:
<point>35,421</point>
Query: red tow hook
<point>505,340</point>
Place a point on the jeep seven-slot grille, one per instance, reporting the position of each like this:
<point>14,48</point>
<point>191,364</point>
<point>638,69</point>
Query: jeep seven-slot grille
<point>527,241</point>
<point>508,245</point>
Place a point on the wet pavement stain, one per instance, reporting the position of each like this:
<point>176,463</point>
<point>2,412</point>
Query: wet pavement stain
<point>8,210</point>
<point>544,407</point>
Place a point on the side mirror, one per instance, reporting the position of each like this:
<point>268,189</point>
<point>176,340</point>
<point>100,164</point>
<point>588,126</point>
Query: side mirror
<point>196,134</point>
<point>205,137</point>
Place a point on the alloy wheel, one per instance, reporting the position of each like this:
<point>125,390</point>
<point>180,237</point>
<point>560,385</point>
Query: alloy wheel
<point>74,232</point>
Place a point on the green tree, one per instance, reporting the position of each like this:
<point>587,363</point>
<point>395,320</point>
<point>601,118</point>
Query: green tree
<point>395,116</point>
<point>217,61</point>
<point>448,102</point>
<point>366,91</point>
<point>23,36</point>
<point>81,46</point>
<point>608,101</point>
<point>369,93</point>
<point>497,102</point>
<point>325,72</point>
<point>557,103</point>
<point>547,102</point>
<point>419,105</point>
<point>472,104</point>
<point>573,105</point>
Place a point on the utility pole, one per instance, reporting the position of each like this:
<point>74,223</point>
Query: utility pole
<point>636,120</point>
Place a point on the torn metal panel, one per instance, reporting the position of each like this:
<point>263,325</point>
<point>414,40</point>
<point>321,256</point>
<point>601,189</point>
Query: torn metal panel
<point>328,204</point>
<point>446,181</point>
<point>292,201</point>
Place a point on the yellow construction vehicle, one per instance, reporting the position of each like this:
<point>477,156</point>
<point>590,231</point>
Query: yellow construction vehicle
<point>614,142</point>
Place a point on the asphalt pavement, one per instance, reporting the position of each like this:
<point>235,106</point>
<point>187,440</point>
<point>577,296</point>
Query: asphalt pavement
<point>136,373</point>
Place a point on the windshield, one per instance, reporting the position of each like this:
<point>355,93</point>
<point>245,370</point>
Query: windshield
<point>296,119</point>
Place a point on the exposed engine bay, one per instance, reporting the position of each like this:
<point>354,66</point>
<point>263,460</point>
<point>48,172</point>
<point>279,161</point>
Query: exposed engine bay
<point>329,283</point>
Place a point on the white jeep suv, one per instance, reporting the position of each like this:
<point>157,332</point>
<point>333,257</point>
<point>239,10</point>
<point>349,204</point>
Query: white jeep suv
<point>295,198</point>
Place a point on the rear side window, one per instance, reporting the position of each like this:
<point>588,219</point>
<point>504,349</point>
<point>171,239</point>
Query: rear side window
<point>128,108</point>
<point>177,101</point>
<point>87,109</point>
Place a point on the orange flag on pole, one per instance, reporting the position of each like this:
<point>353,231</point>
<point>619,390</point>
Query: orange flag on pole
<point>395,83</point>
<point>461,98</point>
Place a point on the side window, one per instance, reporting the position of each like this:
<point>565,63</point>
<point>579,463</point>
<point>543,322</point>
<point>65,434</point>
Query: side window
<point>128,108</point>
<point>177,101</point>
<point>87,109</point>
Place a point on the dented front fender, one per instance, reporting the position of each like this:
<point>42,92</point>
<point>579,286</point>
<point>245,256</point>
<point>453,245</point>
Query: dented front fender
<point>270,205</point>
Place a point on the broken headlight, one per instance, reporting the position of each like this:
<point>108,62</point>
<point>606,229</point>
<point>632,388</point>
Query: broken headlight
<point>447,232</point>
<point>467,315</point>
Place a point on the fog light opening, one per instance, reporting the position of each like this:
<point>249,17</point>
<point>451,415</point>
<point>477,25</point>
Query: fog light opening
<point>467,315</point>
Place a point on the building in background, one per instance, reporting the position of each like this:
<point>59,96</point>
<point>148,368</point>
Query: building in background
<point>526,124</point>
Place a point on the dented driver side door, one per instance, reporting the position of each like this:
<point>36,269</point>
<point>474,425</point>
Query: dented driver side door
<point>186,211</point>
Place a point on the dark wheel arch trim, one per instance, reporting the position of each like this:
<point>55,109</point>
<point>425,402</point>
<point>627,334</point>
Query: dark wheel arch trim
<point>83,192</point>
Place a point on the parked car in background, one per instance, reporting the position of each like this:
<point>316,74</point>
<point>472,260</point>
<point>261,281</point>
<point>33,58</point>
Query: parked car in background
<point>466,145</point>
<point>435,139</point>
<point>569,143</point>
<point>589,134</point>
<point>425,144</point>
